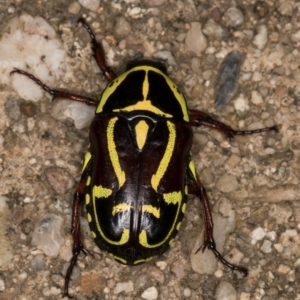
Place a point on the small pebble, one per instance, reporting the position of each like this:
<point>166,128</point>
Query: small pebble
<point>92,5</point>
<point>256,98</point>
<point>283,269</point>
<point>154,2</point>
<point>266,246</point>
<point>47,234</point>
<point>257,234</point>
<point>261,38</point>
<point>225,291</point>
<point>2,285</point>
<point>195,40</point>
<point>227,183</point>
<point>59,179</point>
<point>122,27</point>
<point>233,17</point>
<point>150,294</point>
<point>166,56</point>
<point>74,8</point>
<point>126,287</point>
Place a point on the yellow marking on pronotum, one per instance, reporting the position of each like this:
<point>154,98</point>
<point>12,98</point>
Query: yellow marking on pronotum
<point>88,181</point>
<point>156,178</point>
<point>140,261</point>
<point>94,235</point>
<point>89,218</point>
<point>151,210</point>
<point>101,192</point>
<point>183,208</point>
<point>113,154</point>
<point>171,242</point>
<point>141,132</point>
<point>87,199</point>
<point>145,86</point>
<point>174,197</point>
<point>87,158</point>
<point>143,105</point>
<point>115,83</point>
<point>120,208</point>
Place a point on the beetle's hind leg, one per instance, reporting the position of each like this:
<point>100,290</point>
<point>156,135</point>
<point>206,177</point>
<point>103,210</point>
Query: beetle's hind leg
<point>198,189</point>
<point>57,93</point>
<point>99,54</point>
<point>199,118</point>
<point>76,232</point>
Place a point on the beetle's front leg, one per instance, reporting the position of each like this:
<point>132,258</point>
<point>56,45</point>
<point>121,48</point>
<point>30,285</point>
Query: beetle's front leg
<point>199,118</point>
<point>57,93</point>
<point>76,232</point>
<point>209,242</point>
<point>98,53</point>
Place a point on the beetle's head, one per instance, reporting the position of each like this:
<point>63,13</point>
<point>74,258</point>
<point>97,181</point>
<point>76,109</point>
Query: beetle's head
<point>147,62</point>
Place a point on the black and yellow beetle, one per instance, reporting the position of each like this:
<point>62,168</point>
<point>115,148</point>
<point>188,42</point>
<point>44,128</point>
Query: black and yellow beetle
<point>138,171</point>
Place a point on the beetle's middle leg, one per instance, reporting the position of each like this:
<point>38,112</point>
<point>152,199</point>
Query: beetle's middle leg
<point>76,232</point>
<point>198,189</point>
<point>199,118</point>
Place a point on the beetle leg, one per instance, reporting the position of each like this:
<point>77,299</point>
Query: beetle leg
<point>199,118</point>
<point>209,241</point>
<point>99,54</point>
<point>57,93</point>
<point>76,232</point>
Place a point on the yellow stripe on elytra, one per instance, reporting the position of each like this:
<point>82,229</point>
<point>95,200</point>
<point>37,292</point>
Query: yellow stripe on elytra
<point>87,158</point>
<point>174,198</point>
<point>88,181</point>
<point>120,208</point>
<point>140,261</point>
<point>101,192</point>
<point>113,154</point>
<point>87,199</point>
<point>156,178</point>
<point>193,169</point>
<point>151,210</point>
<point>141,131</point>
<point>115,83</point>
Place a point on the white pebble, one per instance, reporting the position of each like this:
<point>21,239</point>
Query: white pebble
<point>92,5</point>
<point>266,247</point>
<point>123,287</point>
<point>225,291</point>
<point>150,294</point>
<point>257,234</point>
<point>241,104</point>
<point>261,38</point>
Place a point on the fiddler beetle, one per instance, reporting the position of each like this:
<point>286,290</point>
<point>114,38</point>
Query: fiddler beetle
<point>138,171</point>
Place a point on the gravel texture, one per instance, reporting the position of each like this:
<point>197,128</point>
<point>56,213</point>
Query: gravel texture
<point>252,181</point>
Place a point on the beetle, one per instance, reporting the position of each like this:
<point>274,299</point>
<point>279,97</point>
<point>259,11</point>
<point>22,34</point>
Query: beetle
<point>138,171</point>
